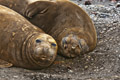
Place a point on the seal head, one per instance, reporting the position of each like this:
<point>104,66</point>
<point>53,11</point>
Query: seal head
<point>73,46</point>
<point>41,50</point>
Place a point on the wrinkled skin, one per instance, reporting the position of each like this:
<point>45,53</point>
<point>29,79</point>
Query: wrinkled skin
<point>23,44</point>
<point>71,27</point>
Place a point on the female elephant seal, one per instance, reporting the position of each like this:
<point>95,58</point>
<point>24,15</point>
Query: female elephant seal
<point>23,44</point>
<point>70,25</point>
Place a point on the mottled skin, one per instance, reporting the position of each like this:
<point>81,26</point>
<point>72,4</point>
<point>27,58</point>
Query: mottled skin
<point>71,27</point>
<point>23,44</point>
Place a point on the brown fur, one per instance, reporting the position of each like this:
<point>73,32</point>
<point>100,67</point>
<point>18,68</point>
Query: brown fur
<point>23,44</point>
<point>64,20</point>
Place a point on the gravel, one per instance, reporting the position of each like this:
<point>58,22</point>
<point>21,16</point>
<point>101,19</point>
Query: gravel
<point>101,64</point>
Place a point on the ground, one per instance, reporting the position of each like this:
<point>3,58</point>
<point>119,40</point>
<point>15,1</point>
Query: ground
<point>101,64</point>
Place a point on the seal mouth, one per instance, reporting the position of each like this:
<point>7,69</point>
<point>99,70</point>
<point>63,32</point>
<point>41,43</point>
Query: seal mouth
<point>41,50</point>
<point>44,53</point>
<point>72,46</point>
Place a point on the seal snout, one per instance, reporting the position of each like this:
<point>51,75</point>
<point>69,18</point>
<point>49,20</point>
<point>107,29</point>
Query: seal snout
<point>45,50</point>
<point>72,46</point>
<point>44,53</point>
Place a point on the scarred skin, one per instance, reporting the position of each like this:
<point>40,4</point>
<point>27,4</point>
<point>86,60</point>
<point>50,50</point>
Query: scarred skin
<point>23,44</point>
<point>71,27</point>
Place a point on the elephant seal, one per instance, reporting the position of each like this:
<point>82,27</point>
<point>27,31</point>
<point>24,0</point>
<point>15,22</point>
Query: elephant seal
<point>23,44</point>
<point>70,25</point>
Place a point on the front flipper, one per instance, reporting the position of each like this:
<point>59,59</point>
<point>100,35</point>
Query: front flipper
<point>38,7</point>
<point>5,64</point>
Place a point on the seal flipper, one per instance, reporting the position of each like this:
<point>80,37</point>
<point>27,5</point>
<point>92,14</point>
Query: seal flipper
<point>5,64</point>
<point>38,7</point>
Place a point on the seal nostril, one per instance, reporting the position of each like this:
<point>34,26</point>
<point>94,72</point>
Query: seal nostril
<point>65,46</point>
<point>80,45</point>
<point>64,41</point>
<point>38,41</point>
<point>53,44</point>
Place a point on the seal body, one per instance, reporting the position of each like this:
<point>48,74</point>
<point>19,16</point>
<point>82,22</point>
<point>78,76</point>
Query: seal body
<point>23,44</point>
<point>70,25</point>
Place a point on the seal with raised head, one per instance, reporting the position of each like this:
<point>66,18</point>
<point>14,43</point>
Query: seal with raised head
<point>23,44</point>
<point>70,25</point>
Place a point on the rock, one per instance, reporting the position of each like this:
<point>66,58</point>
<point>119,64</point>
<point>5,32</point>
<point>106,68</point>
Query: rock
<point>87,3</point>
<point>103,15</point>
<point>118,5</point>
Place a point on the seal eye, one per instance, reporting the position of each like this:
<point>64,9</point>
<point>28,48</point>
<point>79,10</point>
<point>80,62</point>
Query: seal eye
<point>38,41</point>
<point>53,44</point>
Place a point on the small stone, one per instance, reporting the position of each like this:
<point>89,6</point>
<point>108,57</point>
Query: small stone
<point>103,15</point>
<point>87,3</point>
<point>118,5</point>
<point>15,76</point>
<point>116,76</point>
<point>86,67</point>
<point>119,55</point>
<point>69,67</point>
<point>88,79</point>
<point>71,71</point>
<point>116,51</point>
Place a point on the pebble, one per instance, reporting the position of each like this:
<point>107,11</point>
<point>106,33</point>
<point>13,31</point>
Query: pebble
<point>118,5</point>
<point>71,71</point>
<point>86,67</point>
